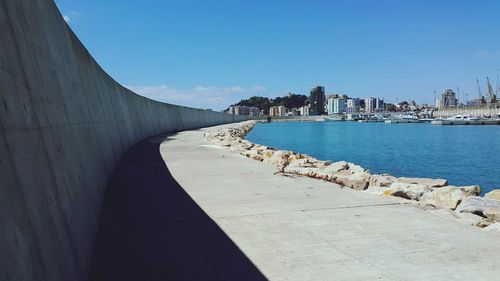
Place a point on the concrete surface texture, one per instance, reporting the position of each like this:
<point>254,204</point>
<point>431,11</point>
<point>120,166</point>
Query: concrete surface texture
<point>295,228</point>
<point>152,230</point>
<point>64,123</point>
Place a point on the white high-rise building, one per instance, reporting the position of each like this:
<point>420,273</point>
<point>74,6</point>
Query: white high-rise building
<point>339,106</point>
<point>329,106</point>
<point>370,104</point>
<point>379,104</point>
<point>352,106</point>
<point>336,106</point>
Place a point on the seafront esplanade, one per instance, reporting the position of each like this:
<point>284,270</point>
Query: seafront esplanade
<point>100,183</point>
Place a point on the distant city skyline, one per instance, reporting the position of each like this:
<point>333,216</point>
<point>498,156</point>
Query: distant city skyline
<point>213,54</point>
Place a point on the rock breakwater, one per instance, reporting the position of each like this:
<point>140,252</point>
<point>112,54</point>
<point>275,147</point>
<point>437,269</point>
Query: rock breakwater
<point>462,202</point>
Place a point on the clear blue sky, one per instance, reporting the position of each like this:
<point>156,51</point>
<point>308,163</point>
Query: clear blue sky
<point>210,54</point>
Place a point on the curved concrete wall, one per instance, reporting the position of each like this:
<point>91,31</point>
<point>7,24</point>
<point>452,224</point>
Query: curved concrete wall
<point>64,124</point>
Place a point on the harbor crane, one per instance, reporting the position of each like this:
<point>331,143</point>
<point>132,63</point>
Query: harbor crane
<point>481,99</point>
<point>492,99</point>
<point>497,88</point>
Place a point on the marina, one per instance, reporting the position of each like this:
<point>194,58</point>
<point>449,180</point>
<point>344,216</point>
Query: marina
<point>403,121</point>
<point>410,150</point>
<point>466,122</point>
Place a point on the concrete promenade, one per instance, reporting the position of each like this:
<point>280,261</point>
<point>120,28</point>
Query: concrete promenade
<point>151,230</point>
<point>306,229</point>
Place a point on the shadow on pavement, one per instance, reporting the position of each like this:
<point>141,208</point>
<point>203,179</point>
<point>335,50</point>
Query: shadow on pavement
<point>151,229</point>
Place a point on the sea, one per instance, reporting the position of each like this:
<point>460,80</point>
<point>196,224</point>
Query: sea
<point>464,155</point>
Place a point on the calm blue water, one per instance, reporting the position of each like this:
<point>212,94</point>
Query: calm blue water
<point>464,155</point>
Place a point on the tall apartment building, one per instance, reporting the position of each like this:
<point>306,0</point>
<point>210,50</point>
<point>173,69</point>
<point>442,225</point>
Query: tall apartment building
<point>254,111</point>
<point>448,99</point>
<point>379,104</point>
<point>370,105</point>
<point>353,105</point>
<point>374,105</point>
<point>277,110</point>
<point>336,106</point>
<point>243,110</point>
<point>317,101</point>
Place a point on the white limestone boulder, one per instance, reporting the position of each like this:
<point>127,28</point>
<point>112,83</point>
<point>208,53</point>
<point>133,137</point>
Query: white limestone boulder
<point>337,167</point>
<point>472,219</point>
<point>477,205</point>
<point>353,168</point>
<point>424,181</point>
<point>493,195</point>
<point>383,180</point>
<point>492,213</point>
<point>253,154</point>
<point>279,157</point>
<point>447,197</point>
<point>357,180</point>
<point>380,184</point>
<point>470,190</point>
<point>408,190</point>
<point>295,156</point>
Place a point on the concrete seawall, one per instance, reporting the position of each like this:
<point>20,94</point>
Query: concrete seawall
<point>64,123</point>
<point>477,111</point>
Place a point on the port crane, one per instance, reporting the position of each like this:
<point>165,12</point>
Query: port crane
<point>497,88</point>
<point>492,97</point>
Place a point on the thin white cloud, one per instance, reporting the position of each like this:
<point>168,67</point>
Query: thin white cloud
<point>216,98</point>
<point>482,53</point>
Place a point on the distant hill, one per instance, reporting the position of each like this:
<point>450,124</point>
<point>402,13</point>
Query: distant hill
<point>289,101</point>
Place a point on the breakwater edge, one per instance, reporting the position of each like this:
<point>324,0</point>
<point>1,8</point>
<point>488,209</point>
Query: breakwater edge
<point>462,203</point>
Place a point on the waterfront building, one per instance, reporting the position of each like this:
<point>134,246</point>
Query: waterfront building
<point>448,99</point>
<point>317,101</point>
<point>336,106</point>
<point>379,104</point>
<point>281,110</point>
<point>374,105</point>
<point>254,111</point>
<point>339,106</point>
<point>243,110</point>
<point>304,111</point>
<point>353,105</point>
<point>277,110</point>
<point>272,111</point>
<point>329,106</point>
<point>370,104</point>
